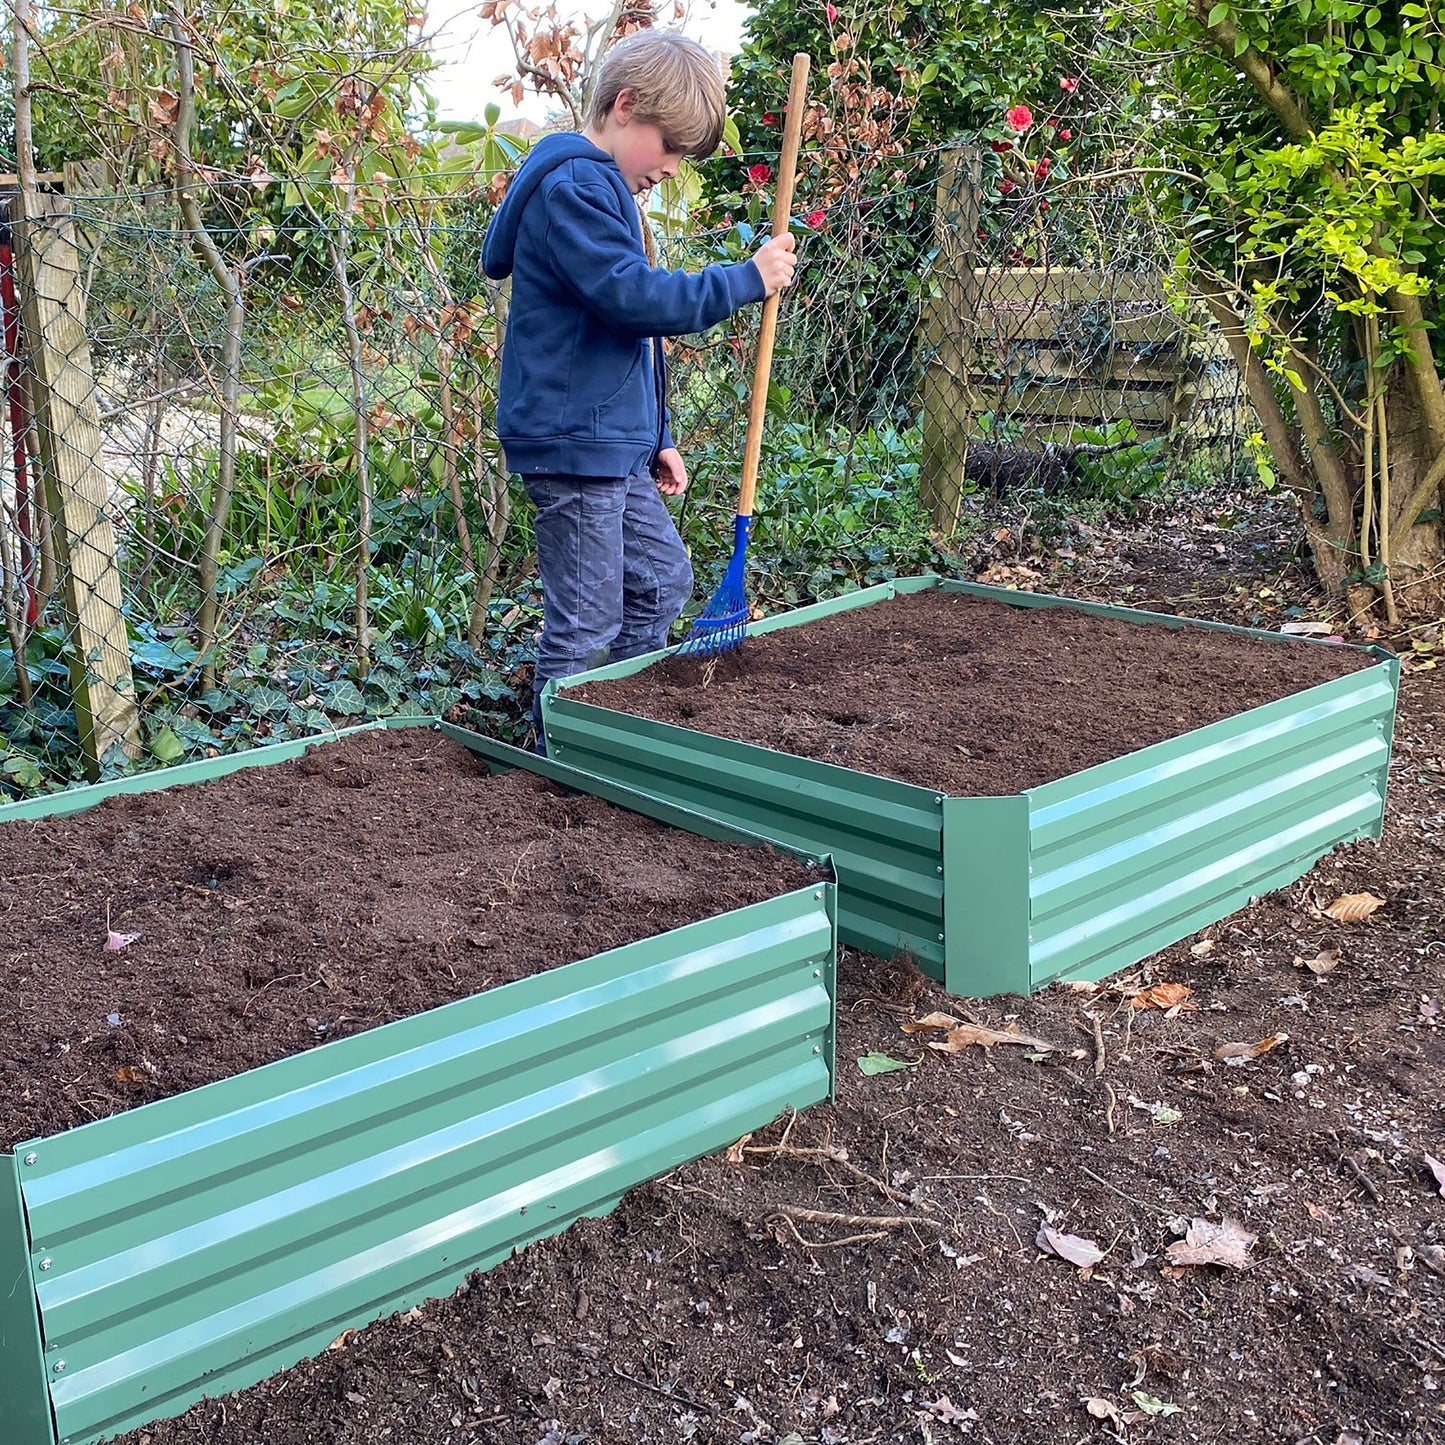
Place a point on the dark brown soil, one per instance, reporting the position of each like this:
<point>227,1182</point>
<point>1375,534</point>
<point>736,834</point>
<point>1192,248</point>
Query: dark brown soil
<point>697,1312</point>
<point>284,906</point>
<point>970,696</point>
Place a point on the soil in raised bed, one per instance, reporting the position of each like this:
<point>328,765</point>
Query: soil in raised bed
<point>972,696</point>
<point>287,905</point>
<point>915,1307</point>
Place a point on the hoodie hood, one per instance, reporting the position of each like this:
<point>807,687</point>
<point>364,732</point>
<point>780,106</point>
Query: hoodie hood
<point>545,157</point>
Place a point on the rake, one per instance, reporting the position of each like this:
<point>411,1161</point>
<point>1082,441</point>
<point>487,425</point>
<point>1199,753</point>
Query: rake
<point>721,625</point>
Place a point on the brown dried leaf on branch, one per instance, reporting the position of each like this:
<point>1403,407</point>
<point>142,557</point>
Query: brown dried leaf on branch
<point>1226,1243</point>
<point>1164,996</point>
<point>1353,907</point>
<point>165,106</point>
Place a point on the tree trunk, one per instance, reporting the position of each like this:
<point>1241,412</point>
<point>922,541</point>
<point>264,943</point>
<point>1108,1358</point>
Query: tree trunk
<point>1417,558</point>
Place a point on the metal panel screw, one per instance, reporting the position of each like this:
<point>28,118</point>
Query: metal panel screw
<point>940,938</point>
<point>818,894</point>
<point>817,973</point>
<point>938,797</point>
<point>817,1048</point>
<point>44,1264</point>
<point>60,1367</point>
<point>30,1158</point>
<point>939,869</point>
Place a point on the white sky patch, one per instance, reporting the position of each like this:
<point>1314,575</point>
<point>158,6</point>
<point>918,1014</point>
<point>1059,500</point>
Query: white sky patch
<point>471,52</point>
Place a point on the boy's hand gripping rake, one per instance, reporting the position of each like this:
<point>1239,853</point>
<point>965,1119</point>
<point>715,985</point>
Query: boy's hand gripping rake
<point>719,627</point>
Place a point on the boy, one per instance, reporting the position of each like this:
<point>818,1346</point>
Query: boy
<point>581,408</point>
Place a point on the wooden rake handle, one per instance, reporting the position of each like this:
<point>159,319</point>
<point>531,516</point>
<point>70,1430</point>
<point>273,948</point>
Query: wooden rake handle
<point>767,332</point>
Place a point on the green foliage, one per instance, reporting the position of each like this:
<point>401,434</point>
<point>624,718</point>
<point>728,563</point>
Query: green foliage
<point>836,511</point>
<point>1129,469</point>
<point>1320,223</point>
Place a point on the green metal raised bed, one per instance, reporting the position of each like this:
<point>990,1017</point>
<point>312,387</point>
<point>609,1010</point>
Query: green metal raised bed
<point>195,1245</point>
<point>1074,879</point>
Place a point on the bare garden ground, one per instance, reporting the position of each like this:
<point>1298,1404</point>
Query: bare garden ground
<point>879,1271</point>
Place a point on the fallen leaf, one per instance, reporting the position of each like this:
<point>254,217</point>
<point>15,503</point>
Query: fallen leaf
<point>1102,1409</point>
<point>966,1035</point>
<point>1164,996</point>
<point>1353,907</point>
<point>929,1022</point>
<point>114,941</point>
<point>354,1398</point>
<point>1438,1170</point>
<point>876,1063</point>
<point>1204,946</point>
<point>945,1410</point>
<point>1152,1405</point>
<point>1322,963</point>
<point>1072,1247</point>
<point>343,1339</point>
<point>1240,1053</point>
<point>133,1077</point>
<point>734,1154</point>
<point>1226,1243</point>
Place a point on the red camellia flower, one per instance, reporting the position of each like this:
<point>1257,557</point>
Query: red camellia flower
<point>832,13</point>
<point>815,219</point>
<point>1044,166</point>
<point>1003,147</point>
<point>769,118</point>
<point>1019,118</point>
<point>1066,135</point>
<point>760,174</point>
<point>1004,187</point>
<point>1068,84</point>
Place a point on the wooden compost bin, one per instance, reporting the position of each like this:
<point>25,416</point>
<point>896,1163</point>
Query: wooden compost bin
<point>194,1245</point>
<point>1074,879</point>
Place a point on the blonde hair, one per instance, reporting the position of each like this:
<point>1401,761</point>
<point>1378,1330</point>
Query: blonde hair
<point>678,85</point>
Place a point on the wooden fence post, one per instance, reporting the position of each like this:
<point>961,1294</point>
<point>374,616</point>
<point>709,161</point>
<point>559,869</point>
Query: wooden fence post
<point>67,415</point>
<point>945,415</point>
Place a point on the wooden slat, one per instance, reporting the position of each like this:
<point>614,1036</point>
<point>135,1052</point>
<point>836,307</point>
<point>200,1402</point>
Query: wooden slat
<point>1068,285</point>
<point>1039,364</point>
<point>1084,404</point>
<point>67,415</point>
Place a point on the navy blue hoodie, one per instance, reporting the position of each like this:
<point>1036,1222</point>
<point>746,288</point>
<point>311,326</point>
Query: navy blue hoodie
<point>583,386</point>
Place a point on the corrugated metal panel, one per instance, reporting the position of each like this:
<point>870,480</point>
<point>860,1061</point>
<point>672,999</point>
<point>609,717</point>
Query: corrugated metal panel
<point>205,770</point>
<point>1139,852</point>
<point>24,1400</point>
<point>1119,860</point>
<point>986,895</point>
<point>886,838</point>
<point>197,1244</point>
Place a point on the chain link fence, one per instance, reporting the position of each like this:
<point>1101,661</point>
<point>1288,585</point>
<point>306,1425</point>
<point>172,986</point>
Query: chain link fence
<point>258,501</point>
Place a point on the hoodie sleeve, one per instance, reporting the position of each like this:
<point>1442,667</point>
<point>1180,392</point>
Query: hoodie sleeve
<point>592,247</point>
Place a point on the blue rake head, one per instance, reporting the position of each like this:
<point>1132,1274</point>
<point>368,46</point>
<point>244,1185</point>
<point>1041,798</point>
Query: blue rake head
<point>722,624</point>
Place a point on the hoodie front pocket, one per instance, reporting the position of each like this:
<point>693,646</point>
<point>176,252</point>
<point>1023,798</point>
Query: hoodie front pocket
<point>623,416</point>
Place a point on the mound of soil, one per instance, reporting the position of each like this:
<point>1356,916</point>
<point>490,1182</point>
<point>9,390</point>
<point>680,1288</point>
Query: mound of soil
<point>283,906</point>
<point>971,696</point>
